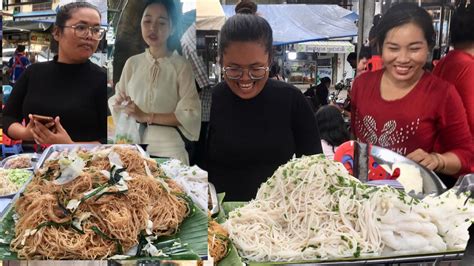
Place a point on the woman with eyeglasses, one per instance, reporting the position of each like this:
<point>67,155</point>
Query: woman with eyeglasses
<point>256,123</point>
<point>64,100</point>
<point>157,87</point>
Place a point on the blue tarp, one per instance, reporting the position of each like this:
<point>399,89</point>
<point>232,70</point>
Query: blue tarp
<point>295,23</point>
<point>352,16</point>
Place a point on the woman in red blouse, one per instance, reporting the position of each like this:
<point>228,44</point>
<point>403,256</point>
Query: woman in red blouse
<point>404,108</point>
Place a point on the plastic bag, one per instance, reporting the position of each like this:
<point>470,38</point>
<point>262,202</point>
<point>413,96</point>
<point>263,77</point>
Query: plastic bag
<point>126,130</point>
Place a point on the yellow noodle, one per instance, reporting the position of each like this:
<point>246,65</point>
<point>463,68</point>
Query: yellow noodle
<point>217,240</point>
<point>120,216</point>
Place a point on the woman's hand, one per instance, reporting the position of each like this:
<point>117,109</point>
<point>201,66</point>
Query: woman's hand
<point>57,135</point>
<point>28,130</point>
<point>431,161</point>
<point>120,98</point>
<point>133,110</point>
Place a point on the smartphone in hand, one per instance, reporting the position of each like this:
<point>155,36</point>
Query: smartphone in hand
<point>45,120</point>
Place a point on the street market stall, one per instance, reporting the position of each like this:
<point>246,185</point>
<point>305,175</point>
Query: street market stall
<point>35,35</point>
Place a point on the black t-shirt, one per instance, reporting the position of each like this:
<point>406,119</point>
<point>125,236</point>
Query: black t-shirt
<point>322,93</point>
<point>77,93</point>
<point>249,139</point>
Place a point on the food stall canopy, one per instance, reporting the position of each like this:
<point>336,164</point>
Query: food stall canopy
<point>209,15</point>
<point>15,26</point>
<point>44,15</point>
<point>353,16</point>
<point>302,23</point>
<point>334,47</point>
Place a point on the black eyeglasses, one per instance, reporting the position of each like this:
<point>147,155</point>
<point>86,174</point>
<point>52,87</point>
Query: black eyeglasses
<point>82,30</point>
<point>255,73</point>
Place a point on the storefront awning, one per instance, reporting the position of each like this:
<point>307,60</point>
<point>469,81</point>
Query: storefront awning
<point>334,47</point>
<point>294,23</point>
<point>16,26</point>
<point>48,15</point>
<point>209,15</point>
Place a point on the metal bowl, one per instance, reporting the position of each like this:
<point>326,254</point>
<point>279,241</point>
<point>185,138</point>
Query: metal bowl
<point>11,195</point>
<point>431,182</point>
<point>33,159</point>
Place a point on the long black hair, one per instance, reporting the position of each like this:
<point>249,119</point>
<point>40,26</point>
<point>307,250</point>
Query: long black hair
<point>331,125</point>
<point>174,12</point>
<point>462,23</point>
<point>246,26</point>
<point>401,14</point>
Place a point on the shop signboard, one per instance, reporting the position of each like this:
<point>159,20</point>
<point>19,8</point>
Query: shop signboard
<point>36,18</point>
<point>99,59</point>
<point>324,72</point>
<point>16,37</point>
<point>327,47</point>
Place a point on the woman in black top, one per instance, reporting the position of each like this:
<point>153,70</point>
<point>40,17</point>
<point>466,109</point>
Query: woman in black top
<point>71,88</point>
<point>256,123</point>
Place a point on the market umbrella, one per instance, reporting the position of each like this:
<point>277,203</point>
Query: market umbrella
<point>209,15</point>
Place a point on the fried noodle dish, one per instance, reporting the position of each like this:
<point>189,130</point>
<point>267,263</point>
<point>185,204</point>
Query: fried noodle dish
<point>217,240</point>
<point>95,204</point>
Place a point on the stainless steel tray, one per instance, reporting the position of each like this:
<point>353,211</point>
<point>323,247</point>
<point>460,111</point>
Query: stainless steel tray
<point>431,182</point>
<point>33,160</point>
<point>14,199</point>
<point>6,196</point>
<point>401,260</point>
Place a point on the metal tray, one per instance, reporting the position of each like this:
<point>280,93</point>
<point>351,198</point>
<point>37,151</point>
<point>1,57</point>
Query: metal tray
<point>431,182</point>
<point>384,259</point>
<point>400,260</point>
<point>33,160</point>
<point>27,181</point>
<point>14,199</point>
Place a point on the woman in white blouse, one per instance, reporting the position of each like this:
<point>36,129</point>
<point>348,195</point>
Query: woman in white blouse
<point>157,87</point>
